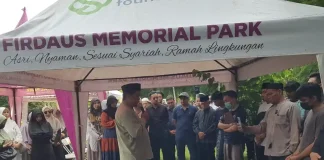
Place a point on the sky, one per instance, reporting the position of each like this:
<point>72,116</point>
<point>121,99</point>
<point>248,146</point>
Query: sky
<point>11,11</point>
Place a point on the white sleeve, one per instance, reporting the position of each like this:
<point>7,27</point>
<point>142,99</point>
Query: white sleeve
<point>18,135</point>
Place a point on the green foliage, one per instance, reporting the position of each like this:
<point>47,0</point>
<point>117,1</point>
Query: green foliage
<point>39,105</point>
<point>310,2</point>
<point>3,101</point>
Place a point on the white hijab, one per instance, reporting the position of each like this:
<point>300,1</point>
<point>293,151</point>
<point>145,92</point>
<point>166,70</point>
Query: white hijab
<point>55,123</point>
<point>104,104</point>
<point>12,128</point>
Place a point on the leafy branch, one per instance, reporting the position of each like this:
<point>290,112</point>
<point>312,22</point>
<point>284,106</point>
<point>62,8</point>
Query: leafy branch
<point>203,76</point>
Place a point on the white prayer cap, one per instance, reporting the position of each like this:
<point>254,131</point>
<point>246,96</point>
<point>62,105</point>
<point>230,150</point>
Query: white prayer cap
<point>145,100</point>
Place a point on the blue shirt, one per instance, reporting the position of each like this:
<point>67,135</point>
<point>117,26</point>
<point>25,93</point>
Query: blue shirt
<point>184,121</point>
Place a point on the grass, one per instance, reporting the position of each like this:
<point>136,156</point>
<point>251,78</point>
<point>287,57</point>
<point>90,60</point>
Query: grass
<point>187,155</point>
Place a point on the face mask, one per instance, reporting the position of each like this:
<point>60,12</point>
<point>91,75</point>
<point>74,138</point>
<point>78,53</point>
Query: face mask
<point>304,105</point>
<point>2,125</point>
<point>228,105</point>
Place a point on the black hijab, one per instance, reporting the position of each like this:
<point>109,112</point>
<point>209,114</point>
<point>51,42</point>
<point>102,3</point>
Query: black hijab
<point>42,128</point>
<point>111,111</point>
<point>93,111</point>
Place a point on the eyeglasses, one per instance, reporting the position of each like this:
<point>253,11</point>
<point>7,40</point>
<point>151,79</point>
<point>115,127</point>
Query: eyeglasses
<point>49,112</point>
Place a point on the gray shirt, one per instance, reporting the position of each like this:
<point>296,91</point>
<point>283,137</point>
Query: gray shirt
<point>313,123</point>
<point>282,129</point>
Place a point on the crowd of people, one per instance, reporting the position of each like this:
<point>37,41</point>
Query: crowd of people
<point>38,139</point>
<point>289,125</point>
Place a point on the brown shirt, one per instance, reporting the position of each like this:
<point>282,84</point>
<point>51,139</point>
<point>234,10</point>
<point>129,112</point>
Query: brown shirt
<point>132,136</point>
<point>282,129</point>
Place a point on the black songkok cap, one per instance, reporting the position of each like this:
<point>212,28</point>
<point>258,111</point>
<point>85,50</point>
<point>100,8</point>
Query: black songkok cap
<point>265,85</point>
<point>151,93</point>
<point>159,92</point>
<point>217,96</point>
<point>131,88</point>
<point>204,98</point>
<point>275,86</point>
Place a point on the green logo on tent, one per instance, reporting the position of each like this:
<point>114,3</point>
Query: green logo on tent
<point>86,7</point>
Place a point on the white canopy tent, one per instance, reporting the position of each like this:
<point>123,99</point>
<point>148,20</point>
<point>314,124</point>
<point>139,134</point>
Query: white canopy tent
<point>83,46</point>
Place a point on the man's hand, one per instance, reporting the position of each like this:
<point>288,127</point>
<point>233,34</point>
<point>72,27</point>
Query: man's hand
<point>28,147</point>
<point>315,156</point>
<point>293,157</point>
<point>173,132</point>
<point>233,128</point>
<point>62,135</point>
<point>7,144</point>
<point>201,135</point>
<point>16,145</point>
<point>240,127</point>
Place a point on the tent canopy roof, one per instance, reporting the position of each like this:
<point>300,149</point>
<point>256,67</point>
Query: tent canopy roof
<point>151,14</point>
<point>285,26</point>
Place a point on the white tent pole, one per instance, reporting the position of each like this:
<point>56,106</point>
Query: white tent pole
<point>320,61</point>
<point>174,95</point>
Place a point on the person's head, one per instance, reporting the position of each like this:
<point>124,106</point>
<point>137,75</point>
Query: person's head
<point>139,107</point>
<point>315,78</point>
<point>198,101</point>
<point>170,101</point>
<point>160,96</point>
<point>37,116</point>
<point>111,102</point>
<point>95,104</point>
<point>217,98</point>
<point>310,95</point>
<point>204,102</point>
<point>184,98</point>
<point>3,121</point>
<point>290,89</point>
<point>48,112</point>
<point>275,93</point>
<point>131,94</point>
<point>154,97</point>
<point>58,113</point>
<point>264,89</point>
<point>5,112</point>
<point>145,102</point>
<point>230,99</point>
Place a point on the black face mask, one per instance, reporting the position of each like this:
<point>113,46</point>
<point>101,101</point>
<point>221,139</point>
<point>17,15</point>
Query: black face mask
<point>2,125</point>
<point>305,106</point>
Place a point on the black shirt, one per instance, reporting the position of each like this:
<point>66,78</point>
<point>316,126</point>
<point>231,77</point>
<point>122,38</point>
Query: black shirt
<point>158,120</point>
<point>236,137</point>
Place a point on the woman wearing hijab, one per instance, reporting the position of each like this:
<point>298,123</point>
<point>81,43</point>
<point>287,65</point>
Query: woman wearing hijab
<point>13,131</point>
<point>109,145</point>
<point>57,114</point>
<point>41,133</point>
<point>94,132</point>
<point>56,126</point>
<point>27,142</point>
<point>6,151</point>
